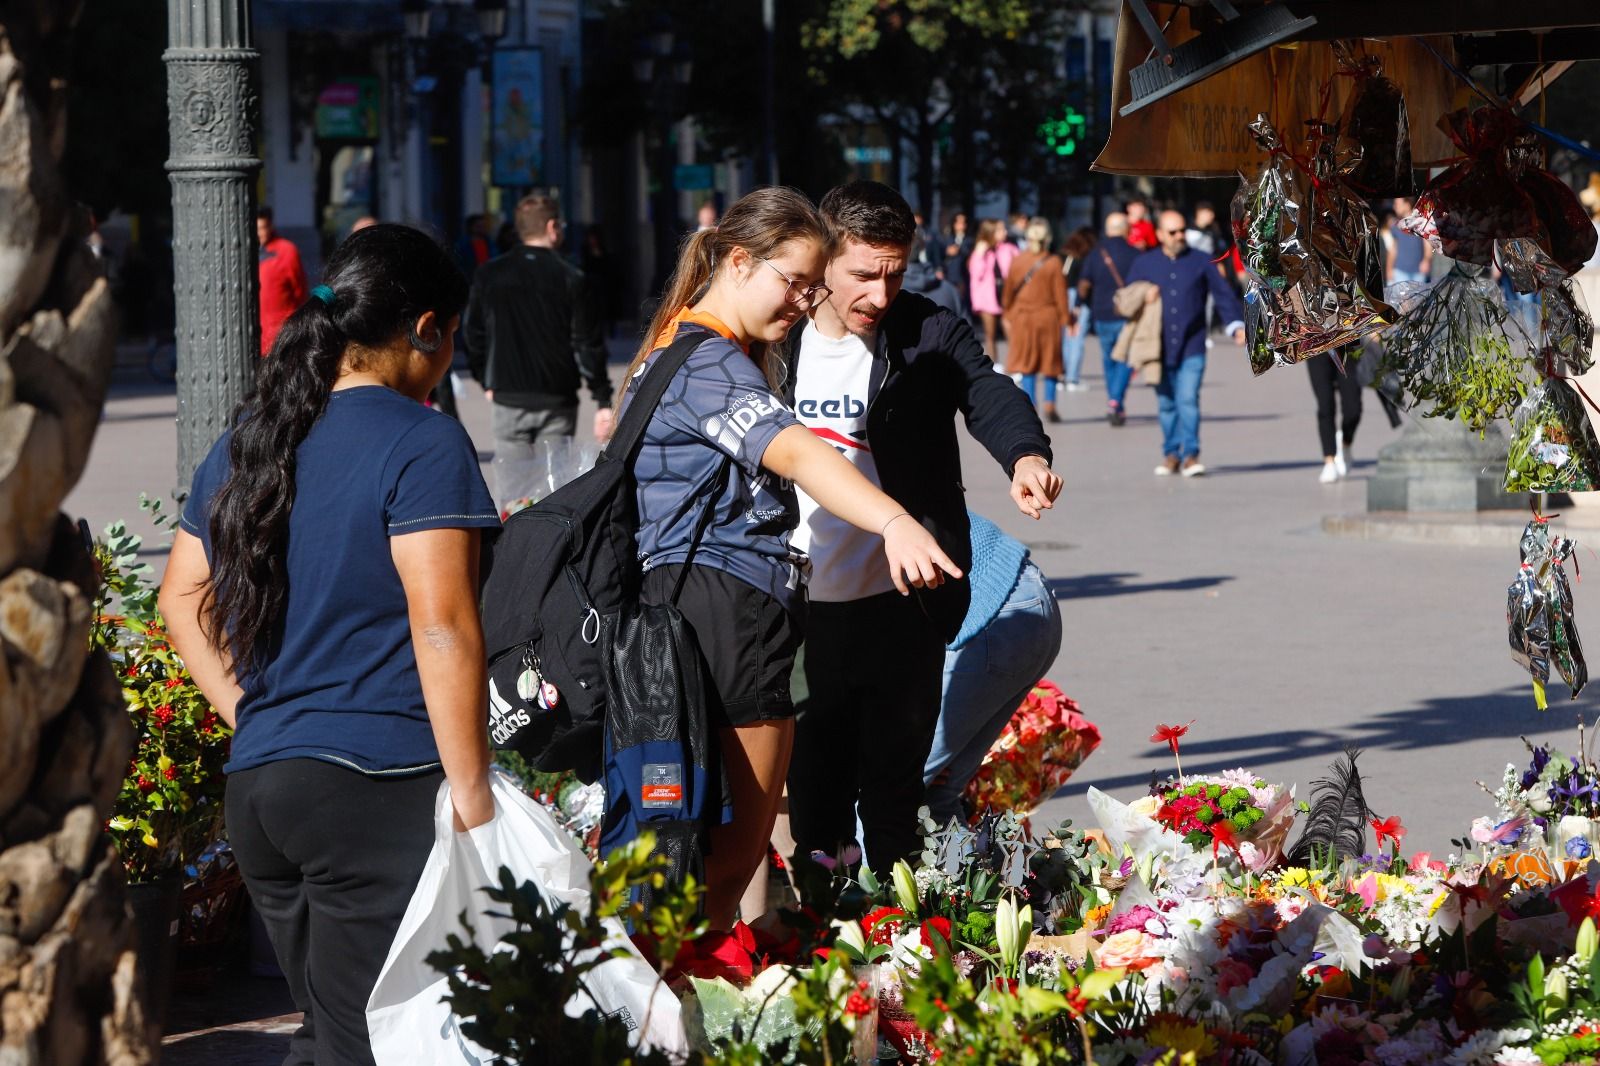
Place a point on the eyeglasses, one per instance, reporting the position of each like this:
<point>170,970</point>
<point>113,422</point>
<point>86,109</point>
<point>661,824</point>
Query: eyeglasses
<point>808,298</point>
<point>1173,232</point>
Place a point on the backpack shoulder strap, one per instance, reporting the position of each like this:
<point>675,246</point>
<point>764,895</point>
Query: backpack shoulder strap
<point>647,394</point>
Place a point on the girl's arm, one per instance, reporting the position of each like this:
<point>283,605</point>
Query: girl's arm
<point>182,589</point>
<point>915,558</point>
<point>439,570</point>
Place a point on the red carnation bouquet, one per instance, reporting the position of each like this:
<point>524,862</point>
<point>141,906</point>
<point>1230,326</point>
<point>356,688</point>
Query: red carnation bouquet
<point>1045,741</point>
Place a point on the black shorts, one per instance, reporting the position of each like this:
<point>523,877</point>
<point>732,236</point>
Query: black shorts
<point>748,639</point>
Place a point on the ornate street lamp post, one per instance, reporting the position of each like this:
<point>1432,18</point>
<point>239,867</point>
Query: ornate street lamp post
<point>211,104</point>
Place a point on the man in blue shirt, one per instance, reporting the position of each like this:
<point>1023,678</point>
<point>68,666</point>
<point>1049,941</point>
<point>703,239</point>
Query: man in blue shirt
<point>1105,270</point>
<point>1182,277</point>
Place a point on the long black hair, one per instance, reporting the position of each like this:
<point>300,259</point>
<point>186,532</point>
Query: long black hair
<point>375,287</point>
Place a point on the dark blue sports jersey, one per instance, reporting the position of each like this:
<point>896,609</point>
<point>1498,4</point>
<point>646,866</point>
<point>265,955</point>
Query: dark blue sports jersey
<point>341,683</point>
<point>719,405</point>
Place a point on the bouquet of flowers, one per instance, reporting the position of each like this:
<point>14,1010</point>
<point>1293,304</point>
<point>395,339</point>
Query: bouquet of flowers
<point>169,809</point>
<point>1311,252</point>
<point>1550,808</point>
<point>1234,809</point>
<point>1553,446</point>
<point>1539,613</point>
<point>1045,741</point>
<point>1456,349</point>
<point>1499,191</point>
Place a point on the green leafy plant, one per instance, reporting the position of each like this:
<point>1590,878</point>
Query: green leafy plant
<point>1458,352</point>
<point>512,999</point>
<point>169,808</point>
<point>1553,446</point>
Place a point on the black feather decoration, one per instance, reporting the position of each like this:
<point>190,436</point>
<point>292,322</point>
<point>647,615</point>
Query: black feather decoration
<point>1336,827</point>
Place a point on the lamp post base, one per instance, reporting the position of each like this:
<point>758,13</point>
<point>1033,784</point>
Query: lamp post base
<point>1439,465</point>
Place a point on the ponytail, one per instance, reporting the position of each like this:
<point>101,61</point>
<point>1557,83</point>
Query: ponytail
<point>761,222</point>
<point>379,282</point>
<point>690,278</point>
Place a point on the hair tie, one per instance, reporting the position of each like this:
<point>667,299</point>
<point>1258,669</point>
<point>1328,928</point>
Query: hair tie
<point>324,294</point>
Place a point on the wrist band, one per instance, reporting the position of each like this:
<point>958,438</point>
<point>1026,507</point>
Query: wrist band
<point>886,525</point>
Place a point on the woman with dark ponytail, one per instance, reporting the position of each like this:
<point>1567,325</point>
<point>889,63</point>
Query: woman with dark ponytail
<point>740,287</point>
<point>322,590</point>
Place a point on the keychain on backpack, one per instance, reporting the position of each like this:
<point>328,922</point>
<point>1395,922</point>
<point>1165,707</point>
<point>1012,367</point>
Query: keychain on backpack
<point>531,682</point>
<point>549,696</point>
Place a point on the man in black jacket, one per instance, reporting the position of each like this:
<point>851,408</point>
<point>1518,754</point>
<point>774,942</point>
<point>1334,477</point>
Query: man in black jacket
<point>881,374</point>
<point>532,332</point>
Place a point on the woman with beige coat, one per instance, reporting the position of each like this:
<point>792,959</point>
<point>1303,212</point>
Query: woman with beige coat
<point>1035,302</point>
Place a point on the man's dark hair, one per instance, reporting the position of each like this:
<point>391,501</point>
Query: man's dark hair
<point>264,214</point>
<point>534,213</point>
<point>869,212</point>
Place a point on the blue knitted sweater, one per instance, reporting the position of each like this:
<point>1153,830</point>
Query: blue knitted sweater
<point>996,564</point>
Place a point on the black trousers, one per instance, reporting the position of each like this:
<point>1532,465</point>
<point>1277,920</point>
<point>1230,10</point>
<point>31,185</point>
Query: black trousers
<point>331,857</point>
<point>1326,382</point>
<point>875,671</point>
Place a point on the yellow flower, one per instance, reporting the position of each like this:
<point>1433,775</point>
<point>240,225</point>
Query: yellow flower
<point>1298,877</point>
<point>1180,1035</point>
<point>1389,884</point>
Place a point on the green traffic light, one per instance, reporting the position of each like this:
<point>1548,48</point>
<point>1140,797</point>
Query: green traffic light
<point>1062,135</point>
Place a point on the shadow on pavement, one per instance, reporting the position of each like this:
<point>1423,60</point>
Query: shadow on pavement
<point>1091,586</point>
<point>1436,723</point>
<point>1268,468</point>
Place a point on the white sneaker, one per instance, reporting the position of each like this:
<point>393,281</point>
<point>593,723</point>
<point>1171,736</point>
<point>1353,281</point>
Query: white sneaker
<point>1330,473</point>
<point>1338,459</point>
<point>1166,469</point>
<point>1193,468</point>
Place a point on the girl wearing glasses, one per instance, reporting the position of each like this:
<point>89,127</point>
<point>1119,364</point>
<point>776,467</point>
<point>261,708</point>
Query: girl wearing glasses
<point>742,286</point>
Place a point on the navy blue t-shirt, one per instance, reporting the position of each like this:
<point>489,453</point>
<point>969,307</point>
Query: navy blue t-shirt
<point>342,684</point>
<point>719,405</point>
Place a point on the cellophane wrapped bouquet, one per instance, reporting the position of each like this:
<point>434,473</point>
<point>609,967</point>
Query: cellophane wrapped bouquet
<point>1045,741</point>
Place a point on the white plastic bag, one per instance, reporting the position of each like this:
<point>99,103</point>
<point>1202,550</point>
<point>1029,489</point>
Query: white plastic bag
<point>406,1017</point>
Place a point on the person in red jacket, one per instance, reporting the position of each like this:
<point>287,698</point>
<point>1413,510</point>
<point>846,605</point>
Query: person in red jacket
<point>283,280</point>
<point>1141,230</point>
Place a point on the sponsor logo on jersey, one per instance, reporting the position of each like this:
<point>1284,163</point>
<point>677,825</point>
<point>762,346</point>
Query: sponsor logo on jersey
<point>729,428</point>
<point>846,406</point>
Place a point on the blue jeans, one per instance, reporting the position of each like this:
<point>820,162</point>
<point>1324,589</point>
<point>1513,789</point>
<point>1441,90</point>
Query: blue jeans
<point>985,681</point>
<point>1118,375</point>
<point>1072,347</point>
<point>1030,381</point>
<point>1178,404</point>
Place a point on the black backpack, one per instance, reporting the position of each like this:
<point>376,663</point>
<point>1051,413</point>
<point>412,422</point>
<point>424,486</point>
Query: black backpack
<point>557,579</point>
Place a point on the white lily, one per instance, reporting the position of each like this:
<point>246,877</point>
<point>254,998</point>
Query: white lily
<point>1013,928</point>
<point>905,888</point>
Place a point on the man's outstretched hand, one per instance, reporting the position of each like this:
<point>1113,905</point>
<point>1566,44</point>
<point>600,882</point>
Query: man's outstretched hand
<point>1034,486</point>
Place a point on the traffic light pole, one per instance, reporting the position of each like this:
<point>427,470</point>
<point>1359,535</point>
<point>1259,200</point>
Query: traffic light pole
<point>212,104</point>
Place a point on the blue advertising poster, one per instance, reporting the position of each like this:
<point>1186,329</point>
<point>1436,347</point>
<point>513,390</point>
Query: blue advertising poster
<point>518,137</point>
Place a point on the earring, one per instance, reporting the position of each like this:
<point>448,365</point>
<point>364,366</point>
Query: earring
<point>427,346</point>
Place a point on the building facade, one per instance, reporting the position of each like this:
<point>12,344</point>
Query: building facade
<point>363,115</point>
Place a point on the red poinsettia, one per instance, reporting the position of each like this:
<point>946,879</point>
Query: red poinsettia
<point>1577,900</point>
<point>728,955</point>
